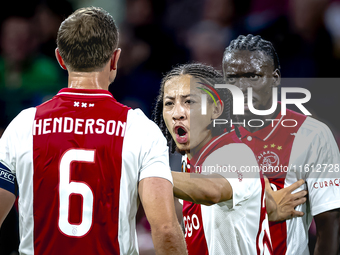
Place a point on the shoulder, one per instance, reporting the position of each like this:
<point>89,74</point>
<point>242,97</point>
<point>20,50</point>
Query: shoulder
<point>20,127</point>
<point>138,118</point>
<point>139,124</point>
<point>312,129</point>
<point>314,143</point>
<point>313,124</point>
<point>137,114</point>
<point>231,150</point>
<point>234,154</point>
<point>27,113</point>
<point>24,118</point>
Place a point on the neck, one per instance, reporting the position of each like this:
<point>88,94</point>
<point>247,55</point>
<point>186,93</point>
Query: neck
<point>195,150</point>
<point>88,80</point>
<point>265,119</point>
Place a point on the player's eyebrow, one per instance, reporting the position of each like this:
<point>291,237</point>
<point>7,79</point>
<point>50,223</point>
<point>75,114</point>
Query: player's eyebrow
<point>188,95</point>
<point>239,75</point>
<point>182,96</point>
<point>169,97</point>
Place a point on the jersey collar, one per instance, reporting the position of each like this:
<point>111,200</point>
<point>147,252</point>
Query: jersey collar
<point>265,132</point>
<point>84,92</point>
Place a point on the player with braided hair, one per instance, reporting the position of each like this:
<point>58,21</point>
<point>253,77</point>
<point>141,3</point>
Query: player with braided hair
<point>235,220</point>
<point>251,62</point>
<point>254,43</point>
<point>208,76</point>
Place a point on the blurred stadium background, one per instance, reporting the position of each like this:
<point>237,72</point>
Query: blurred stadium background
<point>155,35</point>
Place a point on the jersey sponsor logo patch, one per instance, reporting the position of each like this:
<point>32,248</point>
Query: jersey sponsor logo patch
<point>326,184</point>
<point>191,224</point>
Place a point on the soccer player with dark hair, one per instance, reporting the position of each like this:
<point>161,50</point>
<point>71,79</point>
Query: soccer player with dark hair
<point>224,213</point>
<point>81,160</point>
<point>251,62</point>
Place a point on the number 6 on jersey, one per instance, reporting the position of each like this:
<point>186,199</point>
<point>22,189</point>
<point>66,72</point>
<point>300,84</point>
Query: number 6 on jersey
<point>66,188</point>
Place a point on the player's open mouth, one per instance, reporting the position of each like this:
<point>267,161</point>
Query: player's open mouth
<point>181,134</point>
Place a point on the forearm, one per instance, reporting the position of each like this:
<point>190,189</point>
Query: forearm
<point>327,244</point>
<point>185,188</point>
<point>156,195</point>
<point>327,233</point>
<point>201,189</point>
<point>169,239</point>
<point>322,248</point>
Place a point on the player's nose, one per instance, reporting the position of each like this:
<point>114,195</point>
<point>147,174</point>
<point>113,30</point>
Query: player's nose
<point>178,112</point>
<point>244,84</point>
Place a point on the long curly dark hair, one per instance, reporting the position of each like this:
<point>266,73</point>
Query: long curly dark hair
<point>208,75</point>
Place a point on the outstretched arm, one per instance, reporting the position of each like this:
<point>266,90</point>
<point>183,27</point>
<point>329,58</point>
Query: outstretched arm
<point>201,189</point>
<point>281,204</point>
<point>157,198</point>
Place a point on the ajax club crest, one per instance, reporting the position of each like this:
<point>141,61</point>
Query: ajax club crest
<point>268,159</point>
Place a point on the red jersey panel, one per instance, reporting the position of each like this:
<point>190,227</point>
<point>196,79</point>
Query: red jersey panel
<point>77,157</point>
<point>78,160</point>
<point>194,232</point>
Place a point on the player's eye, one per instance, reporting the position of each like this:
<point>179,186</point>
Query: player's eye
<point>254,77</point>
<point>189,101</point>
<point>231,80</point>
<point>168,103</point>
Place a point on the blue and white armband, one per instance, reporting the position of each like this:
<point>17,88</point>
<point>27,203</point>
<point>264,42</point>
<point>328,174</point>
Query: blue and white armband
<point>8,180</point>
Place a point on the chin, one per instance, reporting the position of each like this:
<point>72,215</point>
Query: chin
<point>182,148</point>
<point>182,152</point>
<point>247,113</point>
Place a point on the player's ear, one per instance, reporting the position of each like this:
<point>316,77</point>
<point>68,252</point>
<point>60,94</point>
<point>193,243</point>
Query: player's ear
<point>276,78</point>
<point>115,58</point>
<point>218,109</point>
<point>60,59</point>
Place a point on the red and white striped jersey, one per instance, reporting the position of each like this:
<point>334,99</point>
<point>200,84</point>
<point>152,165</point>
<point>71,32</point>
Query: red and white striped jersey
<point>297,147</point>
<point>234,227</point>
<point>77,160</point>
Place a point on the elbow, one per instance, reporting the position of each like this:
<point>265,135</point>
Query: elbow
<point>168,238</point>
<point>167,230</point>
<point>210,196</point>
<point>213,198</point>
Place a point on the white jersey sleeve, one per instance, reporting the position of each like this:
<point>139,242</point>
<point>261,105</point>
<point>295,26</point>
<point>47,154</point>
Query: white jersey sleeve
<point>315,158</point>
<point>15,142</point>
<point>153,155</point>
<point>237,163</point>
<point>16,154</point>
<point>12,139</point>
<point>8,143</point>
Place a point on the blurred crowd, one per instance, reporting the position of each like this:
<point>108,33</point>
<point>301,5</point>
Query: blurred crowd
<point>156,35</point>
